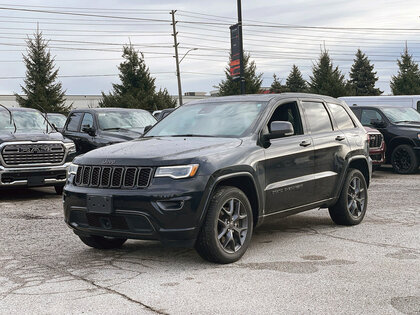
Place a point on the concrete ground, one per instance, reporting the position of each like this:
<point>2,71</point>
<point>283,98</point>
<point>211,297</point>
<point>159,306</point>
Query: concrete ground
<point>297,265</point>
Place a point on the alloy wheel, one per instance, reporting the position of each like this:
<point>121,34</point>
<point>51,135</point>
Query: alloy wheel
<point>356,197</point>
<point>232,225</point>
<point>402,159</point>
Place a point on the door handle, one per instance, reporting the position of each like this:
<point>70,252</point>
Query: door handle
<point>304,143</point>
<point>340,138</point>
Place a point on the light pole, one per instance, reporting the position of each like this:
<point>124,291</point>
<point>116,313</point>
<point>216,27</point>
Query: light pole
<point>187,53</point>
<point>178,74</point>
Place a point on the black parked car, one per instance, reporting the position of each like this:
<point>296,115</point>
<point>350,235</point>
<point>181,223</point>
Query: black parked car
<point>400,127</point>
<point>211,171</point>
<point>98,127</point>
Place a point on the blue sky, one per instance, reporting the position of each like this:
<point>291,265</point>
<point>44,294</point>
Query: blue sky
<point>90,46</point>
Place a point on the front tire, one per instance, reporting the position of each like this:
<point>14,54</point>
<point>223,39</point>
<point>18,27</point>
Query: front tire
<point>101,242</point>
<point>404,159</point>
<point>350,208</point>
<point>227,228</point>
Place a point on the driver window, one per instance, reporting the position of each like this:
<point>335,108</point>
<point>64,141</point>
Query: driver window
<point>288,112</point>
<point>87,121</point>
<point>368,115</point>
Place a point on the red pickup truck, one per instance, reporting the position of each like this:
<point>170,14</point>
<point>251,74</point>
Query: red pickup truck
<point>376,147</point>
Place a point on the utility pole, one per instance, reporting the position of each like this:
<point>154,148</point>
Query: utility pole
<point>178,74</point>
<point>241,49</point>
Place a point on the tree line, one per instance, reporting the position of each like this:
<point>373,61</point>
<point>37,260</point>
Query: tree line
<point>137,87</point>
<point>327,79</point>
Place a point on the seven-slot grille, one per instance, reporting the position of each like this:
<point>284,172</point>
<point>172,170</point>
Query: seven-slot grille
<point>375,140</point>
<point>36,153</point>
<point>113,176</point>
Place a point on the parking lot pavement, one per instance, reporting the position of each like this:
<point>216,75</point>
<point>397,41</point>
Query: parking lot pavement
<point>300,264</point>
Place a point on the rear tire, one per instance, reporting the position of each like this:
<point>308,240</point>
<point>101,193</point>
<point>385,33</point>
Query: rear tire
<point>350,208</point>
<point>404,159</point>
<point>59,190</point>
<point>227,228</point>
<point>101,242</point>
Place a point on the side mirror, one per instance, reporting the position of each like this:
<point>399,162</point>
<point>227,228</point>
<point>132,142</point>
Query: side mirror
<point>89,130</point>
<point>378,123</point>
<point>280,129</point>
<point>147,128</point>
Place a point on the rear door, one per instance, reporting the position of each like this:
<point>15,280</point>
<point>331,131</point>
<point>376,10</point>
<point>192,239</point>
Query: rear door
<point>289,163</point>
<point>330,147</point>
<point>72,127</point>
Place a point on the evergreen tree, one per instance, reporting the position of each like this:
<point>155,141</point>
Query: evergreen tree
<point>326,79</point>
<point>295,81</point>
<point>137,88</point>
<point>407,81</point>
<point>252,80</point>
<point>41,90</point>
<point>276,86</point>
<point>362,77</point>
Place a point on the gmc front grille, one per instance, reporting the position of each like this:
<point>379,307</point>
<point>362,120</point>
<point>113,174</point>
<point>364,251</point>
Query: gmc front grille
<point>375,140</point>
<point>113,176</point>
<point>37,153</point>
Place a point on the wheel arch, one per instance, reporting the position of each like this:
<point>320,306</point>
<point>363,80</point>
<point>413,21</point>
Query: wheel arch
<point>398,141</point>
<point>360,163</point>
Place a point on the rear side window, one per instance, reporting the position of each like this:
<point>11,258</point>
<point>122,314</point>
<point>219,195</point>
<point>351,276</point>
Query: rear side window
<point>341,117</point>
<point>317,117</point>
<point>87,121</point>
<point>418,106</point>
<point>74,121</point>
<point>368,115</point>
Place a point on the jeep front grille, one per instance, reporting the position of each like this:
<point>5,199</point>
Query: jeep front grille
<point>36,153</point>
<point>113,176</point>
<point>375,140</point>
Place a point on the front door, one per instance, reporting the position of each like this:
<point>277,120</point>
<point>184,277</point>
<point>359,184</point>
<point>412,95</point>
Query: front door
<point>289,164</point>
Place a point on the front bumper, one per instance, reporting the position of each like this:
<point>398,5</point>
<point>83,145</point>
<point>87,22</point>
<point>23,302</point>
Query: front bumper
<point>168,210</point>
<point>33,176</point>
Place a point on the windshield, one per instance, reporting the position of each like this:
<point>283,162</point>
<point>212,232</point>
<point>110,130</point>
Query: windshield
<point>57,119</point>
<point>399,114</point>
<point>125,120</point>
<point>26,121</point>
<point>223,119</point>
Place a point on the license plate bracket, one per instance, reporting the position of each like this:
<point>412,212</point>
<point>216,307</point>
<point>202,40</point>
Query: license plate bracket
<point>36,181</point>
<point>99,204</point>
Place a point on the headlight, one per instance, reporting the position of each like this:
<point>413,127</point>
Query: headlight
<point>71,147</point>
<point>177,172</point>
<point>72,169</point>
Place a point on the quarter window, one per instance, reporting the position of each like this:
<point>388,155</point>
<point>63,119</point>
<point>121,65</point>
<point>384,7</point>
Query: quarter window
<point>341,117</point>
<point>317,116</point>
<point>74,121</point>
<point>368,115</point>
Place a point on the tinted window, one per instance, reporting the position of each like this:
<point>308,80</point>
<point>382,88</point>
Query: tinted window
<point>368,115</point>
<point>288,112</point>
<point>317,116</point>
<point>341,117</point>
<point>418,106</point>
<point>87,121</point>
<point>74,121</point>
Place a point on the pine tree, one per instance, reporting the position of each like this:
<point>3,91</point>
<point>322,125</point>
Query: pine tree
<point>41,90</point>
<point>407,81</point>
<point>252,80</point>
<point>362,77</point>
<point>276,86</point>
<point>295,81</point>
<point>326,79</point>
<point>137,88</point>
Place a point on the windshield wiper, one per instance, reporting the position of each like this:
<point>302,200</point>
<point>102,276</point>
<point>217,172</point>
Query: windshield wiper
<point>191,135</point>
<point>117,128</point>
<point>11,117</point>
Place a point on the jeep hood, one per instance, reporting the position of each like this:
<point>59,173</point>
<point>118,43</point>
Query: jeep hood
<point>158,151</point>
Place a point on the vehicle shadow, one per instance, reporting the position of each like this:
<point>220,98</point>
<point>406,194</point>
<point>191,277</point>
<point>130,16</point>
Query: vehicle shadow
<point>27,194</point>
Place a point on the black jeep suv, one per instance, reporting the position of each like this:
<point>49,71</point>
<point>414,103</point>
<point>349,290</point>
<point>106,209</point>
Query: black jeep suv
<point>400,127</point>
<point>211,171</point>
<point>92,128</point>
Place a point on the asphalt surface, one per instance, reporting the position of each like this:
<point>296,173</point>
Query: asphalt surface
<point>297,265</point>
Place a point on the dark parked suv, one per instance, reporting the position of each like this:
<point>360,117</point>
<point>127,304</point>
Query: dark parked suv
<point>400,127</point>
<point>97,127</point>
<point>211,171</point>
